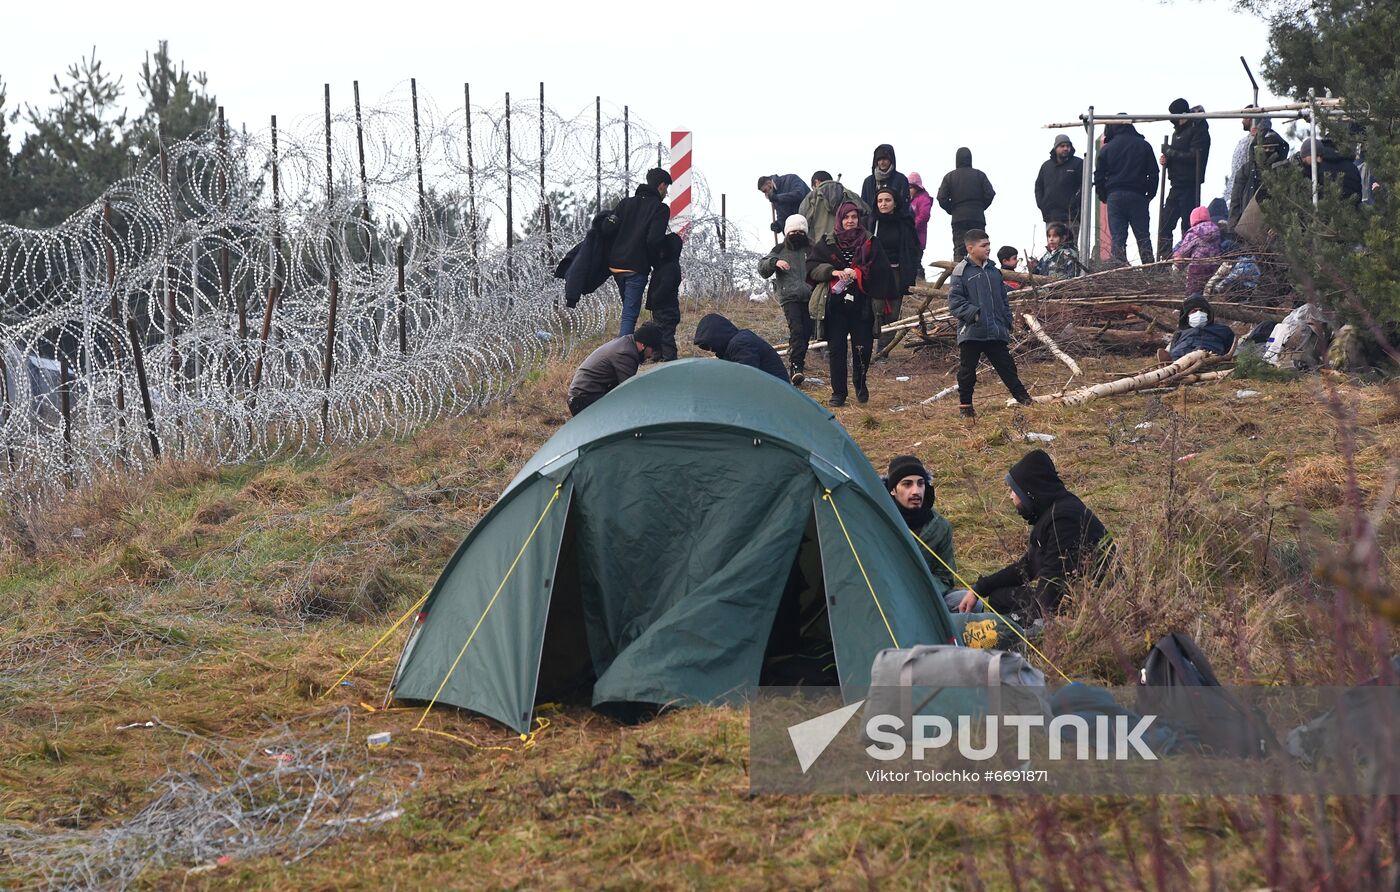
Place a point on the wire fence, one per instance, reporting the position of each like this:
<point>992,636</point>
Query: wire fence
<point>249,294</point>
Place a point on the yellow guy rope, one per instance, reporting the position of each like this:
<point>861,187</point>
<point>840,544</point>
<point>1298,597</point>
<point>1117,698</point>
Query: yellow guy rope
<point>489,604</point>
<point>385,637</point>
<point>989,607</point>
<point>826,497</point>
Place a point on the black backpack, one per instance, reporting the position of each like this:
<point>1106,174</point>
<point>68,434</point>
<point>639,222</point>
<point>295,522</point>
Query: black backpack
<point>1179,685</point>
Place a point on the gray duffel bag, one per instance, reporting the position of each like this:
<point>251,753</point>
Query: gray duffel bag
<point>953,681</point>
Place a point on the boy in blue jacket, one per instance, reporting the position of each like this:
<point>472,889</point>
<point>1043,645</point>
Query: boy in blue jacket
<point>977,299</point>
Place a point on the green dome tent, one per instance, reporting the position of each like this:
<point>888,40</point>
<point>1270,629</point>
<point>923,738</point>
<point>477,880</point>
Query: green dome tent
<point>648,546</point>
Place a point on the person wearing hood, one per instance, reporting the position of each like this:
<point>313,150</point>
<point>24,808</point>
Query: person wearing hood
<point>1196,329</point>
<point>611,364</point>
<point>900,244</point>
<point>1067,542</point>
<point>1185,160</point>
<point>884,175</point>
<point>819,207</point>
<point>638,242</point>
<point>786,192</point>
<point>847,270</point>
<point>720,336</point>
<point>911,487</point>
<point>1202,247</point>
<point>921,205</point>
<point>1266,148</point>
<point>1059,183</point>
<point>786,264</point>
<point>1125,178</point>
<point>1332,168</point>
<point>965,194</point>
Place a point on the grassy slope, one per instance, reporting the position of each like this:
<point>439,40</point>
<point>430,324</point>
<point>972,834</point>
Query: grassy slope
<point>222,599</point>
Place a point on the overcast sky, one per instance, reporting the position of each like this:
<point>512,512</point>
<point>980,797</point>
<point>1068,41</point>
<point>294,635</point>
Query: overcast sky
<point>766,87</point>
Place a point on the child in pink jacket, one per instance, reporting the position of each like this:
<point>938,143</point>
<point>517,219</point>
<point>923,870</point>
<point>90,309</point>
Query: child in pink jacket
<point>921,203</point>
<point>1201,241</point>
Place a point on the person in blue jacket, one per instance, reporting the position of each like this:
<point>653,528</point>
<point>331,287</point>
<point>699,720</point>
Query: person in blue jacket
<point>1198,330</point>
<point>786,192</point>
<point>1126,179</point>
<point>721,337</point>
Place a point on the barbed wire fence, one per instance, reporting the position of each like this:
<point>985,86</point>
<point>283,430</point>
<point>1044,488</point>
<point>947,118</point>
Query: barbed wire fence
<point>244,295</point>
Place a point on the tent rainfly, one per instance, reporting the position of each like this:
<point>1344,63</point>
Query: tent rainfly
<point>673,544</point>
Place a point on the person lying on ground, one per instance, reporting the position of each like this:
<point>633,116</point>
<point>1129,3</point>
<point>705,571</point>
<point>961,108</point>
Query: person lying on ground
<point>786,264</point>
<point>1198,330</point>
<point>1061,258</point>
<point>911,487</point>
<point>720,336</point>
<point>1067,542</point>
<point>611,364</point>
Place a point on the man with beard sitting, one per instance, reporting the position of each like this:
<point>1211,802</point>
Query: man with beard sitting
<point>912,490</point>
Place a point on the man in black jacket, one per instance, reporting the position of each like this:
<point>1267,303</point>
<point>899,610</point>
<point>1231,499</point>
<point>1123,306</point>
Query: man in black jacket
<point>1067,541</point>
<point>965,194</point>
<point>1332,168</point>
<point>637,245</point>
<point>884,175</point>
<point>719,336</point>
<point>1126,179</point>
<point>786,193</point>
<point>1185,161</point>
<point>1059,184</point>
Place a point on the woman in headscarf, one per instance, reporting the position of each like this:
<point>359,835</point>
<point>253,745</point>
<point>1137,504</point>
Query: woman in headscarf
<point>845,270</point>
<point>900,243</point>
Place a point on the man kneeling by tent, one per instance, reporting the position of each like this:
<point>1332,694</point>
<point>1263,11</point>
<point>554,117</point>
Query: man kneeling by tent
<point>611,364</point>
<point>1067,541</point>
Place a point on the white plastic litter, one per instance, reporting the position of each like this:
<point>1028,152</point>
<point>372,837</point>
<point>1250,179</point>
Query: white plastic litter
<point>901,377</point>
<point>1245,394</point>
<point>1039,438</point>
<point>1142,427</point>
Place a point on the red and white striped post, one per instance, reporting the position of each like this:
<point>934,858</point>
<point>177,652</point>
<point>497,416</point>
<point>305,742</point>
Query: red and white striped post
<point>680,181</point>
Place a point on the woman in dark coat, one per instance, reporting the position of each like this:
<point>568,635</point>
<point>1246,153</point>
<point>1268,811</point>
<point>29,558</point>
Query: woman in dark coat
<point>900,243</point>
<point>849,267</point>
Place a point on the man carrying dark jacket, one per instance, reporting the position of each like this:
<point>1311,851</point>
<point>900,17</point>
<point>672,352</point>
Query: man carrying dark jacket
<point>611,364</point>
<point>1185,160</point>
<point>882,175</point>
<point>786,193</point>
<point>1059,184</point>
<point>719,336</point>
<point>965,194</point>
<point>911,487</point>
<point>637,245</point>
<point>1125,177</point>
<point>1067,541</point>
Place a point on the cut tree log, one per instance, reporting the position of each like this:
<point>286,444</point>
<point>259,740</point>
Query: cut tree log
<point>1044,338</point>
<point>1188,363</point>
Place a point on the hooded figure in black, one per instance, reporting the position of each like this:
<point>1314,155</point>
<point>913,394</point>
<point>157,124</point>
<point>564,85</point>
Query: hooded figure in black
<point>889,176</point>
<point>965,194</point>
<point>719,336</point>
<point>1196,329</point>
<point>1059,183</point>
<point>1126,179</point>
<point>1067,541</point>
<point>664,294</point>
<point>900,243</point>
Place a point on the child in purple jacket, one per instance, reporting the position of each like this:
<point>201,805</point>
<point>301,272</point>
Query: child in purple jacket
<point>1202,246</point>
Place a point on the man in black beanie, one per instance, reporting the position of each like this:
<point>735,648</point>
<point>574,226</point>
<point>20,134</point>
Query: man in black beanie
<point>639,243</point>
<point>1185,160</point>
<point>911,487</point>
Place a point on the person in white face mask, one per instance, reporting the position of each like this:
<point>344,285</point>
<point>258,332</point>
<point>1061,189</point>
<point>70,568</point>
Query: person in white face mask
<point>1198,330</point>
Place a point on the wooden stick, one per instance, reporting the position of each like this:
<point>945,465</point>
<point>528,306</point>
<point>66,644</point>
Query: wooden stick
<point>1188,363</point>
<point>1055,350</point>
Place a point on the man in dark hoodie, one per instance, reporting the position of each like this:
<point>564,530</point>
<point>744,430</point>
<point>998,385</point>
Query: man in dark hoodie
<point>1125,177</point>
<point>1067,541</point>
<point>819,207</point>
<point>965,194</point>
<point>883,175</point>
<point>911,487</point>
<point>664,294</point>
<point>1332,168</point>
<point>637,244</point>
<point>1185,160</point>
<point>719,336</point>
<point>1059,184</point>
<point>786,192</point>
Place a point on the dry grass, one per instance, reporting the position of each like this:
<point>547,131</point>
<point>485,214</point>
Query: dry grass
<point>225,599</point>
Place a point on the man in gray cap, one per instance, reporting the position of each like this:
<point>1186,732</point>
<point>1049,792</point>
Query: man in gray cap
<point>1058,186</point>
